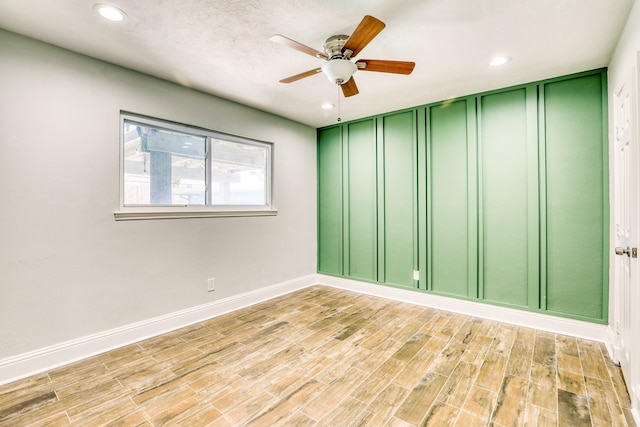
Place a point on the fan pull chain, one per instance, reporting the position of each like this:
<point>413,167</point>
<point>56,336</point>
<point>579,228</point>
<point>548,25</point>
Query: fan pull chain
<point>339,114</point>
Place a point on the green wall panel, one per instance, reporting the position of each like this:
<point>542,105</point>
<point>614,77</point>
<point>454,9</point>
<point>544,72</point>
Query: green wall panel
<point>575,196</point>
<point>500,197</point>
<point>361,245</point>
<point>448,202</point>
<point>399,183</point>
<point>330,200</point>
<point>504,226</point>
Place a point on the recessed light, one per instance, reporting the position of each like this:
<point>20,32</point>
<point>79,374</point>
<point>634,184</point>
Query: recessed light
<point>328,105</point>
<point>499,60</point>
<point>109,12</point>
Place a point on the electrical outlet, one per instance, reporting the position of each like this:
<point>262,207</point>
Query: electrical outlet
<point>211,285</point>
<point>416,275</point>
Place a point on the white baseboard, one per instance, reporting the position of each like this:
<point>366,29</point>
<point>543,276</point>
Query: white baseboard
<point>616,350</point>
<point>613,345</point>
<point>545,322</point>
<point>48,358</point>
<point>635,403</point>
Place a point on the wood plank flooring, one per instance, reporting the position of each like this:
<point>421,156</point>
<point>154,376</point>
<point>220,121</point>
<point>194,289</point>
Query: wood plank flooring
<point>328,357</point>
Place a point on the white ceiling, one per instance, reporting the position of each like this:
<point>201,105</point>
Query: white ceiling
<point>222,47</point>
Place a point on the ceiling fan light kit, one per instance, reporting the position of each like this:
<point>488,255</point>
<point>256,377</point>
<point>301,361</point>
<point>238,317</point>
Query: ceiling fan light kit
<point>339,71</point>
<point>338,52</point>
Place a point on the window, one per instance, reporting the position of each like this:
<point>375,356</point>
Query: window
<point>174,170</point>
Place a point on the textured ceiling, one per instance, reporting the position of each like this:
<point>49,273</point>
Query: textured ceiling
<point>222,47</point>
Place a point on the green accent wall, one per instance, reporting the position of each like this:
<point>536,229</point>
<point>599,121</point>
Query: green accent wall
<point>576,195</point>
<point>330,251</point>
<point>502,123</point>
<point>361,201</point>
<point>398,247</point>
<point>448,182</point>
<point>500,197</point>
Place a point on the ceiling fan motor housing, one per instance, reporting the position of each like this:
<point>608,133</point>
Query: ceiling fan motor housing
<point>333,46</point>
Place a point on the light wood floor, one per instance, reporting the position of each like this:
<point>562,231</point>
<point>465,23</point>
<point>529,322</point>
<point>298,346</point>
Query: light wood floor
<point>328,357</point>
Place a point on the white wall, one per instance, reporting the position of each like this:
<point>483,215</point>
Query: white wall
<point>624,56</point>
<point>67,268</point>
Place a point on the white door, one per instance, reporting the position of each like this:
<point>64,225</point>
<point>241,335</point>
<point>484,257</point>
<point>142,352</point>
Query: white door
<point>626,217</point>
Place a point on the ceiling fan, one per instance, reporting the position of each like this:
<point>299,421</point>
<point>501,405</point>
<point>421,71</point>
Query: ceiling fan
<point>339,51</point>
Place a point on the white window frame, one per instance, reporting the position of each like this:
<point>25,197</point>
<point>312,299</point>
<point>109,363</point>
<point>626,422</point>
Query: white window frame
<point>137,212</point>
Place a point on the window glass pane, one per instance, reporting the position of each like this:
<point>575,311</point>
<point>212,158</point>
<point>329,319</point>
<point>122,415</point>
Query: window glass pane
<point>162,167</point>
<point>238,173</point>
<point>169,164</point>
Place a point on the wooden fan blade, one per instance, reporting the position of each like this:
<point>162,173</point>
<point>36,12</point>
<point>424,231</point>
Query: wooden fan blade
<point>285,41</point>
<point>301,76</point>
<point>382,66</point>
<point>349,88</point>
<point>368,28</point>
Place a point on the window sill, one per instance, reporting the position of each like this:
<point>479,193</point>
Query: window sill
<point>128,214</point>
